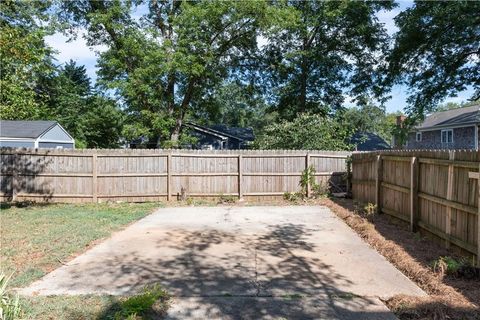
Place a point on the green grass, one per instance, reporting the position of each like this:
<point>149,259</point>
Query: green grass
<point>151,303</point>
<point>37,239</point>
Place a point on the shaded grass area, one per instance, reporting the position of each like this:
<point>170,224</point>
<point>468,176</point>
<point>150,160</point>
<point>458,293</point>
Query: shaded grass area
<point>449,297</point>
<point>39,238</point>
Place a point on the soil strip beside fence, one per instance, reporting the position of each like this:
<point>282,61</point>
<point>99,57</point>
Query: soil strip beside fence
<point>435,191</point>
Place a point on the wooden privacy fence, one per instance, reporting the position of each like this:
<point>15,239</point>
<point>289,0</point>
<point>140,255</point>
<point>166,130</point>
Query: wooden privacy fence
<point>153,175</point>
<point>434,191</point>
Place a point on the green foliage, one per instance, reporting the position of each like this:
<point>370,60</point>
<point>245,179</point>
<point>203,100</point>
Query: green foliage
<point>140,304</point>
<point>163,66</point>
<point>371,118</point>
<point>307,179</point>
<point>234,104</point>
<point>446,265</point>
<point>24,57</point>
<point>436,52</point>
<point>9,305</point>
<point>94,120</point>
<point>328,49</point>
<point>306,131</point>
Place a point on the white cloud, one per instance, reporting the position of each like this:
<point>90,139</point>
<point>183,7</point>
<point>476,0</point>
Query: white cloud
<point>76,50</point>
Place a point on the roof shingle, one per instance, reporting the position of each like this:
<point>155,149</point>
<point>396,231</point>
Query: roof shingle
<point>24,129</point>
<point>452,117</point>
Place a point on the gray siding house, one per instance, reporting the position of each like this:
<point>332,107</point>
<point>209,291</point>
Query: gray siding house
<point>34,134</point>
<point>451,129</point>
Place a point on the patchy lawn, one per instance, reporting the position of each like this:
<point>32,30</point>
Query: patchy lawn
<point>152,303</point>
<point>37,239</point>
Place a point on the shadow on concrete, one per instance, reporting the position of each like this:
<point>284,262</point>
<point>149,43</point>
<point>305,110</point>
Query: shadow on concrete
<point>234,276</point>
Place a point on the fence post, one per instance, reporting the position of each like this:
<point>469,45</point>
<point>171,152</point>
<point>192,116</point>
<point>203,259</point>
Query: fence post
<point>448,222</point>
<point>413,194</point>
<point>478,219</point>
<point>307,164</point>
<point>94,178</point>
<point>378,184</point>
<point>240,178</point>
<point>349,172</point>
<point>169,176</point>
<point>14,177</point>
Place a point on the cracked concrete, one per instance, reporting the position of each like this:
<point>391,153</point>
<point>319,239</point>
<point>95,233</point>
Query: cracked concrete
<point>295,262</point>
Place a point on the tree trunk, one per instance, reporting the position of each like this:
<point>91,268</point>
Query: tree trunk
<point>303,79</point>
<point>175,134</point>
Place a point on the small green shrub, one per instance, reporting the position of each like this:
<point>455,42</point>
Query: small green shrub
<point>370,210</point>
<point>447,265</point>
<point>9,304</point>
<point>307,178</point>
<point>141,303</point>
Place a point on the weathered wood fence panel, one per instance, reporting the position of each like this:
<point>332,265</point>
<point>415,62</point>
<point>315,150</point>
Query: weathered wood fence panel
<point>153,175</point>
<point>434,191</point>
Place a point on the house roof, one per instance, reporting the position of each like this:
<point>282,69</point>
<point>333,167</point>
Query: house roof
<point>24,129</point>
<point>454,117</point>
<point>367,141</point>
<point>245,134</point>
<point>222,131</point>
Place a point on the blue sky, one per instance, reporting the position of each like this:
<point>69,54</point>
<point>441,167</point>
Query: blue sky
<point>78,51</point>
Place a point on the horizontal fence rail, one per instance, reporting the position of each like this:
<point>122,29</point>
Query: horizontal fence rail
<point>92,175</point>
<point>437,191</point>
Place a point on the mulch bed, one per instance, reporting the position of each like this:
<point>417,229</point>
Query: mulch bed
<point>449,297</point>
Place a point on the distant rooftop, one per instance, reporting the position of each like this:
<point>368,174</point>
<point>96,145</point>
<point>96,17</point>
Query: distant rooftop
<point>24,129</point>
<point>454,117</point>
<point>368,141</point>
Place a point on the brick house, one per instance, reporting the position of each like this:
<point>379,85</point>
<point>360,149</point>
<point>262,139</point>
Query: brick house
<point>451,129</point>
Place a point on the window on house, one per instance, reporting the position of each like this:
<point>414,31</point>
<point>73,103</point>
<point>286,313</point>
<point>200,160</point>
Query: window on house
<point>419,136</point>
<point>447,136</point>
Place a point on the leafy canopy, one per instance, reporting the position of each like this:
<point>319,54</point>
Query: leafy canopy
<point>436,52</point>
<point>307,131</point>
<point>24,57</point>
<point>330,49</point>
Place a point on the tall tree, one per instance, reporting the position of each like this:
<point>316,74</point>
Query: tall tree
<point>24,57</point>
<point>93,119</point>
<point>332,49</point>
<point>436,52</point>
<point>164,63</point>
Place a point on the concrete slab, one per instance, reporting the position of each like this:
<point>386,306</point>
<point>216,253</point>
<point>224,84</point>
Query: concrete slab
<point>323,307</point>
<point>244,252</point>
